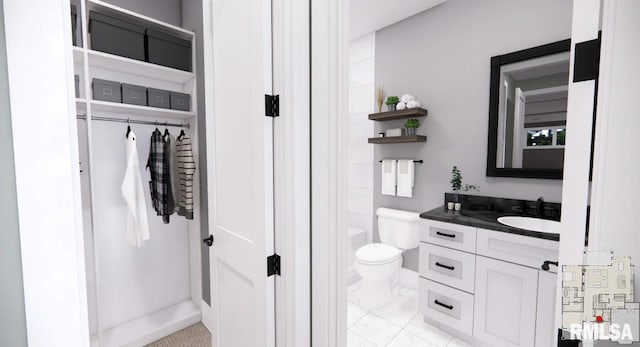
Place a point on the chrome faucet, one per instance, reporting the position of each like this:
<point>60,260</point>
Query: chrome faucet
<point>540,206</point>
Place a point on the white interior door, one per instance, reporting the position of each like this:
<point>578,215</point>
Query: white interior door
<point>519,135</point>
<point>240,150</point>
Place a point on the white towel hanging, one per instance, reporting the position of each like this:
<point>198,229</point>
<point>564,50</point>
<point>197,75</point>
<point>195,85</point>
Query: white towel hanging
<point>406,175</point>
<point>133,193</point>
<point>388,176</point>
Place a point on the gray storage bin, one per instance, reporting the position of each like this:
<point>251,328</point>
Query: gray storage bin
<point>180,101</point>
<point>77,80</point>
<point>167,50</point>
<point>158,98</point>
<point>116,36</point>
<point>106,90</point>
<point>76,37</point>
<point>134,95</point>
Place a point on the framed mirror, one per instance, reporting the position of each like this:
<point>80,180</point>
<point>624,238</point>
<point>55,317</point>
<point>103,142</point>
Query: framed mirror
<point>528,112</point>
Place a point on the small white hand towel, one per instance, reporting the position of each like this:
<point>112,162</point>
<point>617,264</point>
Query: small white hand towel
<point>401,106</point>
<point>389,176</point>
<point>406,98</point>
<point>133,193</point>
<point>406,175</point>
<point>413,104</point>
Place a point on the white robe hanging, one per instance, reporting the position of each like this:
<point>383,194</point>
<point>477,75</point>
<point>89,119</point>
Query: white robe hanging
<point>133,193</point>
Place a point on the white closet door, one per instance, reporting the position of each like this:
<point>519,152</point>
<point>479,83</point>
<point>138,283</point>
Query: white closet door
<point>240,147</point>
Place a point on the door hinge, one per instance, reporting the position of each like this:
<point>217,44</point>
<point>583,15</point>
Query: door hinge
<point>273,265</point>
<point>272,105</point>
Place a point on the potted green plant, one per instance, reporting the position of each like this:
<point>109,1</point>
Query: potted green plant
<point>456,186</point>
<point>456,182</point>
<point>391,102</point>
<point>412,125</point>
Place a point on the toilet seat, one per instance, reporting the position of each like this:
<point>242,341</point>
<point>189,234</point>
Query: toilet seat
<point>377,253</point>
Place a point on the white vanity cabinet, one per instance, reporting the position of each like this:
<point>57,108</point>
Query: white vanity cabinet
<point>488,284</point>
<point>505,303</point>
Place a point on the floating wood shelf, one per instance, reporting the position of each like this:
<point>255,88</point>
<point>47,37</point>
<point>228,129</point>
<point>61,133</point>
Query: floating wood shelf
<point>399,114</point>
<point>397,139</point>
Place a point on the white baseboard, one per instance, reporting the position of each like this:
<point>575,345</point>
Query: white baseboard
<point>408,278</point>
<point>152,327</point>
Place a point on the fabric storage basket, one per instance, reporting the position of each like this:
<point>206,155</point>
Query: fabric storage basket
<point>74,27</point>
<point>134,95</point>
<point>116,36</point>
<point>180,101</point>
<point>167,50</point>
<point>158,98</point>
<point>76,79</point>
<point>106,90</point>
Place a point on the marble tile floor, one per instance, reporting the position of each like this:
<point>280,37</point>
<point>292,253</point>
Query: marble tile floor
<point>396,325</point>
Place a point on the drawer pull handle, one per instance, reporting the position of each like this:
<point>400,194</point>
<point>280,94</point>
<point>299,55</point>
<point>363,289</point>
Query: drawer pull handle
<point>448,307</point>
<point>446,266</point>
<point>546,264</point>
<point>453,236</point>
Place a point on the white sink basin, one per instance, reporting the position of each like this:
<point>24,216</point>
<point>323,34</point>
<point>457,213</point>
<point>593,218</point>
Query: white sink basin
<point>533,224</point>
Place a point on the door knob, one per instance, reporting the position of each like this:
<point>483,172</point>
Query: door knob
<point>208,240</point>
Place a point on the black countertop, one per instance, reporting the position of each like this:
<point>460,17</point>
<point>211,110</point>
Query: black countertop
<point>483,212</point>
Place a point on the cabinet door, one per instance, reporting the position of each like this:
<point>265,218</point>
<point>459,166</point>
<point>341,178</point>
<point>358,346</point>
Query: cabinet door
<point>505,303</point>
<point>545,330</point>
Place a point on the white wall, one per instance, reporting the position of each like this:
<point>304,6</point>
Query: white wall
<point>442,56</point>
<point>616,185</point>
<point>47,171</point>
<point>169,11</point>
<point>360,153</point>
<point>13,330</point>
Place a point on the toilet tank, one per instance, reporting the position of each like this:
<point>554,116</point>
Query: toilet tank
<point>398,228</point>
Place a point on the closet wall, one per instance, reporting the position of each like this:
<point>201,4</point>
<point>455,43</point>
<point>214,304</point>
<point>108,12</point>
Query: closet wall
<point>136,295</point>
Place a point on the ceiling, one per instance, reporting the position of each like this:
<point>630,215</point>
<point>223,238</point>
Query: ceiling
<point>367,16</point>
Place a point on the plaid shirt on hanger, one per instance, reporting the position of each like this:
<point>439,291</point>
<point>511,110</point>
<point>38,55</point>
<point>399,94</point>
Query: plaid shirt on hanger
<point>158,186</point>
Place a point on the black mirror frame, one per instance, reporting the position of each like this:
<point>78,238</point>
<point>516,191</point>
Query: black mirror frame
<point>494,98</point>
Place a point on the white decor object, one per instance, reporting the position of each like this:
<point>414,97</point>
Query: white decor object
<point>379,263</point>
<point>401,106</point>
<point>406,98</point>
<point>394,132</point>
<point>450,205</point>
<point>458,206</point>
<point>413,104</point>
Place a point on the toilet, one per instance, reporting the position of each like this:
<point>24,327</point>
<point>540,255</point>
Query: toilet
<point>378,263</point>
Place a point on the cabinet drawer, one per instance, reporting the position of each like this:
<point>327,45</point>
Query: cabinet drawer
<point>449,235</point>
<point>451,267</point>
<point>524,250</point>
<point>446,305</point>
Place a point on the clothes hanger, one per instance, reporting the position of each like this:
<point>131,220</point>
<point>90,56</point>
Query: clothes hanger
<point>128,129</point>
<point>166,129</point>
<point>181,132</point>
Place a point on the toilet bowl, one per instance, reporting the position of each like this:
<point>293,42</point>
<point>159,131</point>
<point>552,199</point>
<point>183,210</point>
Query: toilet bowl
<point>378,263</point>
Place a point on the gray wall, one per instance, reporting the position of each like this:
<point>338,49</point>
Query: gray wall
<point>442,57</point>
<point>13,331</point>
<point>169,11</point>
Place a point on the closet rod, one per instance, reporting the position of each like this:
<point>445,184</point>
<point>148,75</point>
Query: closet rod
<point>134,121</point>
<point>415,161</point>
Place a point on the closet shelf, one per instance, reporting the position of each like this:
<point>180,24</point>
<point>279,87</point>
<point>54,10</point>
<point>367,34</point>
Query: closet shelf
<point>397,139</point>
<point>135,67</point>
<point>124,110</point>
<point>398,114</point>
<point>106,8</point>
